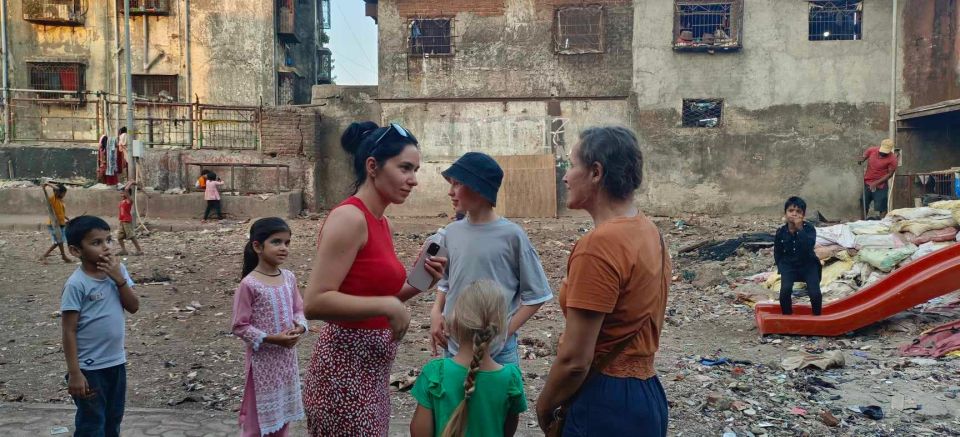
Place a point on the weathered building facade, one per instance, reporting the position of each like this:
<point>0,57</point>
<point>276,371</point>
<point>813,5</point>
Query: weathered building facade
<point>214,83</point>
<point>738,104</point>
<point>240,51</point>
<point>223,53</point>
<point>929,119</point>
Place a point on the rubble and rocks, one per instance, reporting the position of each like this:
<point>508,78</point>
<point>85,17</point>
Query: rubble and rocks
<point>709,343</point>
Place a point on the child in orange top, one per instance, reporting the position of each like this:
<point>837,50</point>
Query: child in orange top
<point>202,180</point>
<point>57,229</point>
<point>127,231</point>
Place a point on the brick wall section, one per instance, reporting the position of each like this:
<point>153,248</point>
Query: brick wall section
<point>449,8</point>
<point>288,130</point>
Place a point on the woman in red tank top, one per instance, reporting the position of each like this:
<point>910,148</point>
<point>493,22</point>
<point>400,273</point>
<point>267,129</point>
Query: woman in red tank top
<point>358,286</point>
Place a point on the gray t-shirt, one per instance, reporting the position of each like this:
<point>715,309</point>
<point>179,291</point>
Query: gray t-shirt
<point>499,251</point>
<point>102,324</point>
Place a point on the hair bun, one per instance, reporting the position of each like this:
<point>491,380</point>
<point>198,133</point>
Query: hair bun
<point>355,134</point>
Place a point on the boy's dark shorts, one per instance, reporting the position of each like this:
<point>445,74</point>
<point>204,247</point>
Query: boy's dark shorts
<point>53,236</point>
<point>126,231</point>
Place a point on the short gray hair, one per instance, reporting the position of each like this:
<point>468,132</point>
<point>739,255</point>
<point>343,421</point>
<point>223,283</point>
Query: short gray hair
<point>616,149</point>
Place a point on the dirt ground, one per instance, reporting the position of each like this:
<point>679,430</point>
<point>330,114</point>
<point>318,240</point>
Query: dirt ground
<point>181,352</point>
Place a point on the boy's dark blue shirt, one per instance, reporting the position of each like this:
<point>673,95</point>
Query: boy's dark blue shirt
<point>795,249</point>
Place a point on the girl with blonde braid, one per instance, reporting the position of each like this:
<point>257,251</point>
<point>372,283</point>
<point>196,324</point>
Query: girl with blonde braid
<point>469,394</point>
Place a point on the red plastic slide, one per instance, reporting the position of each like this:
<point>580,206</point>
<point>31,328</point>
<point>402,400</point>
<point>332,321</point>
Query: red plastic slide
<point>934,275</point>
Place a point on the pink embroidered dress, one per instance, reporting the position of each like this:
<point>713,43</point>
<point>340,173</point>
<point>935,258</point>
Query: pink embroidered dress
<point>271,396</point>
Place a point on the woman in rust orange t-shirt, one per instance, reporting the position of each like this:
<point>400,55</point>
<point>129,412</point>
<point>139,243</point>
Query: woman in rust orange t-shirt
<point>615,294</point>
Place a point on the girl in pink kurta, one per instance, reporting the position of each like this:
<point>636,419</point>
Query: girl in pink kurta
<point>268,317</point>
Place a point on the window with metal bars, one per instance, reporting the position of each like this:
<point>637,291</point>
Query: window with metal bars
<point>702,25</point>
<point>579,30</point>
<point>324,66</point>
<point>57,76</point>
<point>146,7</point>
<point>702,112</point>
<point>836,20</point>
<point>157,87</point>
<point>431,37</point>
<point>54,12</point>
<point>324,9</point>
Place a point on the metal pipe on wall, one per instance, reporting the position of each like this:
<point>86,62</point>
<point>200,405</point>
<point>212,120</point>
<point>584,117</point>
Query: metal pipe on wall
<point>189,94</point>
<point>116,40</point>
<point>146,44</point>
<point>893,74</point>
<point>129,80</point>
<point>6,79</point>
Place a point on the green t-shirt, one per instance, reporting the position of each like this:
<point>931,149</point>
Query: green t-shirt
<point>497,394</point>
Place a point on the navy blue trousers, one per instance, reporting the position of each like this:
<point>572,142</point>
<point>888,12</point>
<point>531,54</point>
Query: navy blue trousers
<point>608,406</point>
<point>809,274</point>
<point>100,416</point>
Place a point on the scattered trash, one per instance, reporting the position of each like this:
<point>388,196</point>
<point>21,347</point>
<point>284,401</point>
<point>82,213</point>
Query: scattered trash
<point>872,411</point>
<point>725,249</point>
<point>59,430</point>
<point>826,361</point>
<point>935,343</point>
<point>404,381</point>
<point>182,401</point>
<point>828,418</point>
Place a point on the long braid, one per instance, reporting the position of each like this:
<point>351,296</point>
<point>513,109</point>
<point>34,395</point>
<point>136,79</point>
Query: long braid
<point>457,426</point>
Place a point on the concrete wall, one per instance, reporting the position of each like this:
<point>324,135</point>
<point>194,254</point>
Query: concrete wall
<point>342,105</point>
<point>29,201</point>
<point>165,168</point>
<point>931,58</point>
<point>65,162</point>
<point>931,74</point>
<point>796,112</point>
<point>502,48</point>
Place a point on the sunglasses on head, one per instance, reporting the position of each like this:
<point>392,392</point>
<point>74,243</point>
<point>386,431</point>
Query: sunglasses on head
<point>393,127</point>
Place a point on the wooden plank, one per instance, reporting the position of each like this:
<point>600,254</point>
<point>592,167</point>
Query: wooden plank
<point>529,187</point>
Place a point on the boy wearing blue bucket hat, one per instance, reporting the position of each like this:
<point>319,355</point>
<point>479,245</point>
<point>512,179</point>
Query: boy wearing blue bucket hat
<point>485,246</point>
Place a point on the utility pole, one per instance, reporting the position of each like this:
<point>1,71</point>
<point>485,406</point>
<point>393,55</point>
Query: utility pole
<point>893,75</point>
<point>129,90</point>
<point>7,123</point>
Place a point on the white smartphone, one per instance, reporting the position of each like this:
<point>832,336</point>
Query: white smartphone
<point>419,277</point>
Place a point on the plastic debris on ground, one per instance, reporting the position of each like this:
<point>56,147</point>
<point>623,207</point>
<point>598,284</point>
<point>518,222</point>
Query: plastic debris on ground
<point>936,342</point>
<point>828,360</point>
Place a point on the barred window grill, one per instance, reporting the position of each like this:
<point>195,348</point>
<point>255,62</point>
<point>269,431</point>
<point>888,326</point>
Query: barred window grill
<point>57,76</point>
<point>702,112</point>
<point>156,87</point>
<point>836,20</point>
<point>146,7</point>
<point>324,66</point>
<point>431,37</point>
<point>324,6</point>
<point>54,12</point>
<point>579,30</point>
<point>707,25</point>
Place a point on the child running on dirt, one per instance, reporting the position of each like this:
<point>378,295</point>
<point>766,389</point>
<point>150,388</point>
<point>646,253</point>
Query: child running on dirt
<point>268,317</point>
<point>93,302</point>
<point>127,231</point>
<point>470,393</point>
<point>795,258</point>
<point>212,195</point>
<point>485,246</point>
<point>58,230</point>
